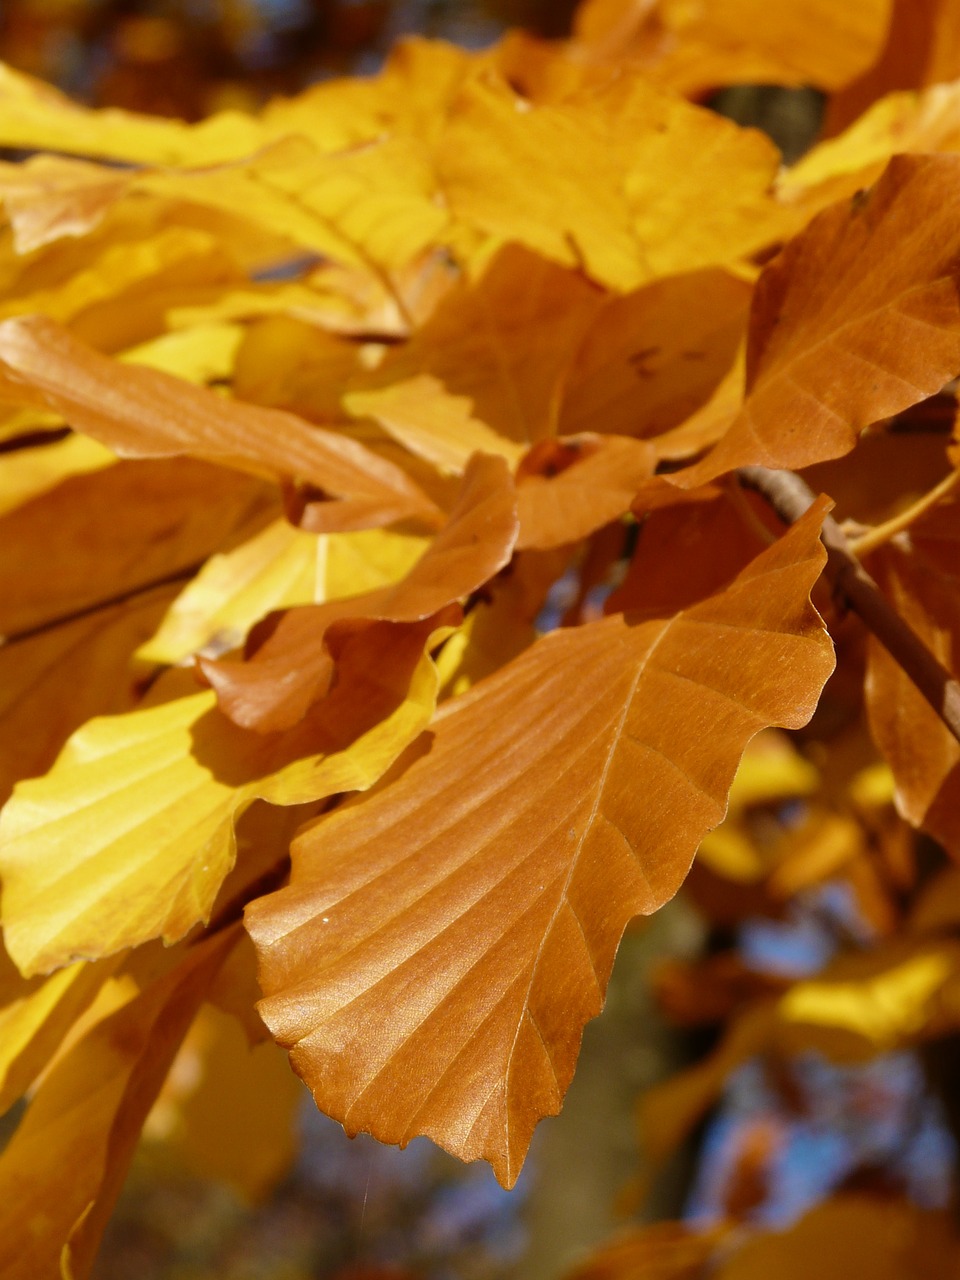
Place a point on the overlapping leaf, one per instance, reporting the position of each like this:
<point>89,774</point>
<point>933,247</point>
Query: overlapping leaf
<point>435,958</point>
<point>920,574</point>
<point>147,413</point>
<point>583,182</point>
<point>857,319</point>
<point>64,1167</point>
<point>277,686</point>
<point>130,835</point>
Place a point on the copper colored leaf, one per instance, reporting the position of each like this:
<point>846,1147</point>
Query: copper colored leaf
<point>506,341</point>
<point>41,699</point>
<point>856,320</point>
<point>440,948</point>
<point>922,47</point>
<point>655,355</point>
<point>147,413</point>
<point>275,688</point>
<point>571,488</point>
<point>919,572</point>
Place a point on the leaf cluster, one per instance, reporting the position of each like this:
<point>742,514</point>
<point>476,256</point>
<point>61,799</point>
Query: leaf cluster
<point>310,420</point>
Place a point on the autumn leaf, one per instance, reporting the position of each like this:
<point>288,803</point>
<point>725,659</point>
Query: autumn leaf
<point>694,49</point>
<point>920,577</point>
<point>215,1078</point>
<point>146,413</point>
<point>116,531</point>
<point>65,1164</point>
<point>856,320</point>
<point>275,688</point>
<point>582,182</point>
<point>475,926</point>
<point>568,489</point>
<point>278,566</point>
<point>87,871</point>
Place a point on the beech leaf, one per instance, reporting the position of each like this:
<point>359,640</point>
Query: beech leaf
<point>439,950</point>
<point>65,1164</point>
<point>275,688</point>
<point>130,834</point>
<point>147,413</point>
<point>857,319</point>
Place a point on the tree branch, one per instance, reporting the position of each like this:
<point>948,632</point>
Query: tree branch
<point>790,497</point>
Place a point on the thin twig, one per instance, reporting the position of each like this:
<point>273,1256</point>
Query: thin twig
<point>790,497</point>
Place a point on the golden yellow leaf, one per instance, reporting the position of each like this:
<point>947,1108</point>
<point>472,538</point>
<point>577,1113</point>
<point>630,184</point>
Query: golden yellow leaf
<point>695,48</point>
<point>36,117</point>
<point>368,559</point>
<point>275,568</point>
<point>582,182</point>
<point>452,1002</point>
<point>48,197</point>
<point>35,1013</point>
<point>884,1009</point>
<point>65,1164</point>
<point>130,834</point>
<point>203,353</point>
<point>431,422</point>
<point>293,667</point>
<point>216,1079</point>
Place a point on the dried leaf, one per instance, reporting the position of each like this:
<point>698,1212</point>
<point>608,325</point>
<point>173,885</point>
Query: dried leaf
<point>856,320</point>
<point>582,182</point>
<point>435,958</point>
<point>920,575</point>
<point>146,413</point>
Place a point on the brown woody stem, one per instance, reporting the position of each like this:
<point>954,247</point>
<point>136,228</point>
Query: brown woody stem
<point>790,497</point>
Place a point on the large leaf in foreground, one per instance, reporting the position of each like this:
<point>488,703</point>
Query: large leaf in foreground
<point>130,834</point>
<point>440,948</point>
<point>855,321</point>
